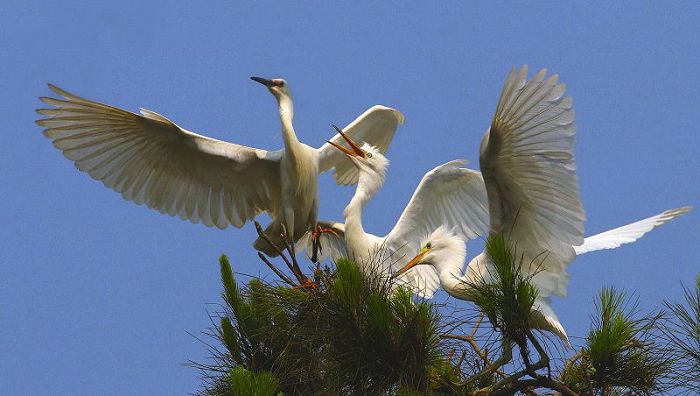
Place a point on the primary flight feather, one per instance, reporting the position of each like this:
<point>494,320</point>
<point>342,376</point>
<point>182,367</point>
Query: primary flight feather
<point>150,160</point>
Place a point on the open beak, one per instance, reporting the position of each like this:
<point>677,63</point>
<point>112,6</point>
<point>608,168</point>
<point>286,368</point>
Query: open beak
<point>264,81</point>
<point>356,150</point>
<point>414,261</point>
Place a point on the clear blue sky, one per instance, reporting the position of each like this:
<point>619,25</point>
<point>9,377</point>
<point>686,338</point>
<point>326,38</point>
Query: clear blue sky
<point>97,294</point>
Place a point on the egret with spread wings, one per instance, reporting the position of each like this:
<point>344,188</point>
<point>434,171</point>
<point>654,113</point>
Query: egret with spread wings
<point>149,159</point>
<point>447,195</point>
<point>446,252</point>
<point>529,176</point>
<point>527,162</point>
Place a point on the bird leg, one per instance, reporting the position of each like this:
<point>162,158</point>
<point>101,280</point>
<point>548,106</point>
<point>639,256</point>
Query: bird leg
<point>316,240</point>
<point>308,284</point>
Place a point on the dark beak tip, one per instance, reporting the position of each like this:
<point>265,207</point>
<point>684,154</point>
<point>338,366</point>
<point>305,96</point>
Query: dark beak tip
<point>261,80</point>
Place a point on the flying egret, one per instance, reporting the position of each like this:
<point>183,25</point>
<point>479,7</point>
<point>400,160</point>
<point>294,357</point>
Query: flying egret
<point>149,159</point>
<point>449,194</point>
<point>446,252</point>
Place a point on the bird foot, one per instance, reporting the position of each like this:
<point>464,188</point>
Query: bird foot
<point>316,240</point>
<point>308,284</point>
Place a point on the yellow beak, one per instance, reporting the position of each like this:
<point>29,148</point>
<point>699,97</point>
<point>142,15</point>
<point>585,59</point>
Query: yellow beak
<point>356,150</point>
<point>414,261</point>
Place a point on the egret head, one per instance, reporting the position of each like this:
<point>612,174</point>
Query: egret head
<point>367,157</point>
<point>278,87</point>
<point>442,249</point>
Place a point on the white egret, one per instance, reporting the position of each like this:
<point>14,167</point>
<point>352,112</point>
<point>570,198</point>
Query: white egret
<point>449,194</point>
<point>149,159</point>
<point>446,252</point>
<point>527,161</point>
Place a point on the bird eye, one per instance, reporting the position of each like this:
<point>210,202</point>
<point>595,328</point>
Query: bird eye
<point>428,245</point>
<point>368,155</point>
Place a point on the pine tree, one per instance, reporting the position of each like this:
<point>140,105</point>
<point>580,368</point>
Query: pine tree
<point>346,332</point>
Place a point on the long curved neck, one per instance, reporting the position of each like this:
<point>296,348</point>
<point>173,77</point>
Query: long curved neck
<point>367,185</point>
<point>353,213</point>
<point>456,283</point>
<point>286,109</point>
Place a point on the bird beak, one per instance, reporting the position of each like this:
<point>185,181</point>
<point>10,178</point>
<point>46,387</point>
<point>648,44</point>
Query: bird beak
<point>415,261</point>
<point>264,81</point>
<point>356,150</point>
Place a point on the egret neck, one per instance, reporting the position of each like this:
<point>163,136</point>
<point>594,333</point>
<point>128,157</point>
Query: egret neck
<point>286,110</point>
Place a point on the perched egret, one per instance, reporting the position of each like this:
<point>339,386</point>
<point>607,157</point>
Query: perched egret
<point>527,161</point>
<point>149,159</point>
<point>446,252</point>
<point>447,195</point>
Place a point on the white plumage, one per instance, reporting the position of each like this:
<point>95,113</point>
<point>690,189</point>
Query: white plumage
<point>438,200</point>
<point>529,175</point>
<point>151,160</point>
<point>628,233</point>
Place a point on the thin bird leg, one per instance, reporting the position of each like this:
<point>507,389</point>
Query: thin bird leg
<point>293,255</point>
<point>316,240</point>
<point>279,273</point>
<point>504,359</point>
<point>276,248</point>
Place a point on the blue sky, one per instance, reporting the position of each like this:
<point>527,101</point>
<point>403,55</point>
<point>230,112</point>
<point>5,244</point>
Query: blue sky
<point>97,294</point>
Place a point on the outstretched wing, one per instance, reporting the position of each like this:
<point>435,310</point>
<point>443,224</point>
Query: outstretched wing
<point>149,159</point>
<point>527,160</point>
<point>376,126</point>
<point>628,233</point>
<point>449,196</point>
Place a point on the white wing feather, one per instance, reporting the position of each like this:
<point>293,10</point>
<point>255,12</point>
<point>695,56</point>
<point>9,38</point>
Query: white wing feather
<point>149,159</point>
<point>628,233</point>
<point>543,317</point>
<point>376,126</point>
<point>527,160</point>
<point>448,196</point>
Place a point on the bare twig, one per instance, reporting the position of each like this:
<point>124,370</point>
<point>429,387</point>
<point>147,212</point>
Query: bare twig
<point>297,273</point>
<point>505,358</point>
<point>470,340</point>
<point>279,273</point>
<point>293,255</point>
<point>539,382</point>
<point>461,360</point>
<point>570,362</point>
<point>476,325</point>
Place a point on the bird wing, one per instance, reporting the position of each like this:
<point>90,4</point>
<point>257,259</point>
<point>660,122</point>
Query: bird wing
<point>527,161</point>
<point>149,159</point>
<point>448,195</point>
<point>543,317</point>
<point>376,126</point>
<point>333,246</point>
<point>628,233</point>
